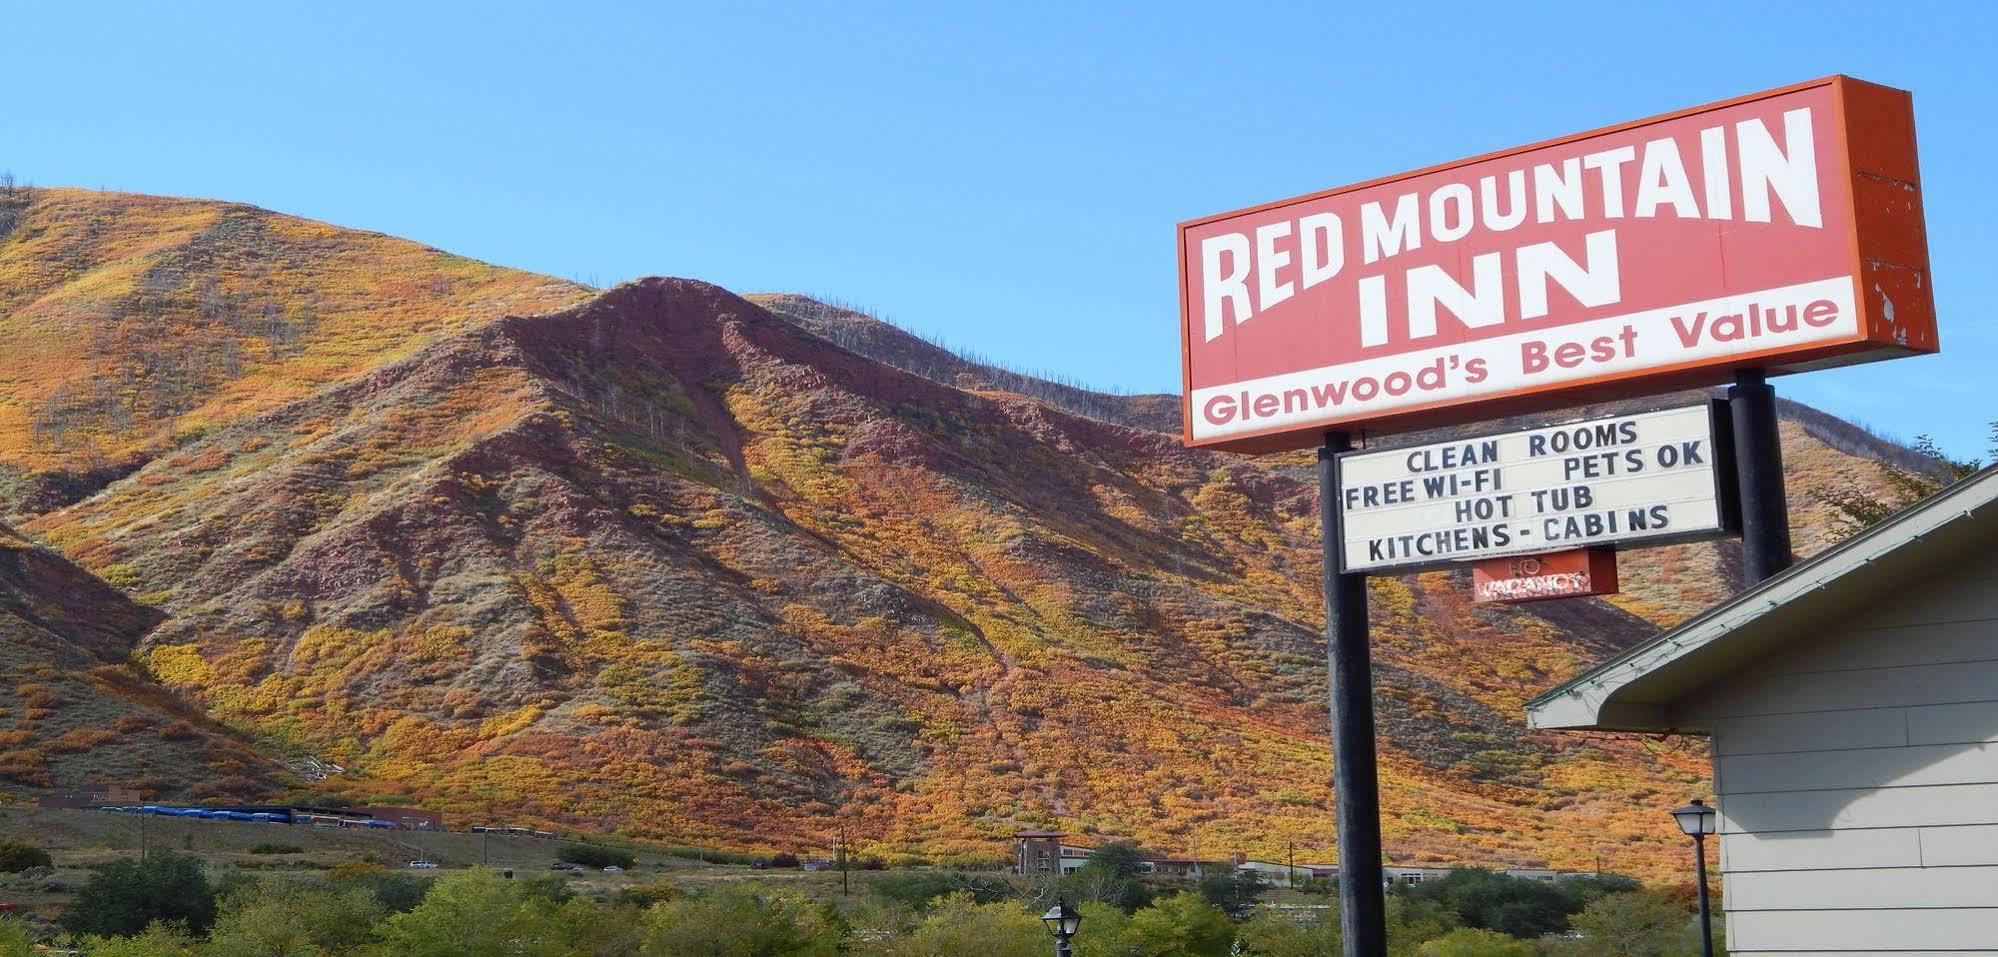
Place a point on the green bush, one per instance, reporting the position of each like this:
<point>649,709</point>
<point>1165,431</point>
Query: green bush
<point>1471,942</point>
<point>15,941</point>
<point>916,889</point>
<point>268,848</point>
<point>593,855</point>
<point>958,925</point>
<point>280,917</point>
<point>158,940</point>
<point>1488,900</point>
<point>16,857</point>
<point>1273,933</point>
<point>1235,892</point>
<point>125,897</point>
<point>1183,924</point>
<point>744,920</point>
<point>1640,924</point>
<point>479,912</point>
<point>397,891</point>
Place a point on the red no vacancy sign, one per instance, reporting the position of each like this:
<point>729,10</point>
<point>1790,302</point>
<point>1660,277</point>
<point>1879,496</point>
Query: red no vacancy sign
<point>1781,231</point>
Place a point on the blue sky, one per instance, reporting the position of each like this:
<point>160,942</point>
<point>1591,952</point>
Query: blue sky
<point>1004,177</point>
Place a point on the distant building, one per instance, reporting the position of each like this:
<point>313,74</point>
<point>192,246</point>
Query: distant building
<point>1184,866</point>
<point>1852,707</point>
<point>1044,852</point>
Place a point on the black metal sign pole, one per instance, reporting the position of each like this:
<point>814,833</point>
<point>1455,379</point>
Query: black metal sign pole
<point>1758,454</point>
<point>1355,778</point>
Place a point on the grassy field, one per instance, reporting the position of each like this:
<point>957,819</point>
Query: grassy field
<point>79,840</point>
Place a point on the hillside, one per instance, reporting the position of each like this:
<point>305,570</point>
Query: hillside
<point>74,712</point>
<point>133,321</point>
<point>668,564</point>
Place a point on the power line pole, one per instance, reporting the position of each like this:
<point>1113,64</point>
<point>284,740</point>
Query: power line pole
<point>844,857</point>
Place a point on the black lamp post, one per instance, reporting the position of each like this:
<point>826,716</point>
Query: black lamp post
<point>1698,820</point>
<point>1063,922</point>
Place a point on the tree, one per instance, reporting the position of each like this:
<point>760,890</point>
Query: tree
<point>16,857</point>
<point>1235,892</point>
<point>1120,858</point>
<point>956,924</point>
<point>1471,942</point>
<point>1412,922</point>
<point>1489,900</point>
<point>124,897</point>
<point>739,920</point>
<point>398,892</point>
<point>1640,924</point>
<point>1856,508</point>
<point>1278,934</point>
<point>279,918</point>
<point>1111,876</point>
<point>593,855</point>
<point>579,927</point>
<point>1182,924</point>
<point>916,889</point>
<point>468,915</point>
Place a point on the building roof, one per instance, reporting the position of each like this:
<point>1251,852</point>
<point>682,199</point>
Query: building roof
<point>1635,691</point>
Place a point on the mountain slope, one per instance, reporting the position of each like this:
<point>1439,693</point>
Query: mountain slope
<point>131,321</point>
<point>667,563</point>
<point>74,712</point>
<point>664,564</point>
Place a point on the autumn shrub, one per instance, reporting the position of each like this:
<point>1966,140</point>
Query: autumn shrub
<point>25,766</point>
<point>81,739</point>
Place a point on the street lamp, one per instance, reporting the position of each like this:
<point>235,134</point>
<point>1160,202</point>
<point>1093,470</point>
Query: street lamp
<point>1063,922</point>
<point>1698,820</point>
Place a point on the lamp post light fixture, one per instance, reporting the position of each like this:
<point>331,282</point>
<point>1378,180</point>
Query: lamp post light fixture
<point>1063,922</point>
<point>1698,820</point>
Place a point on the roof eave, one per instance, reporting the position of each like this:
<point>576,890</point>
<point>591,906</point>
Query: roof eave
<point>1612,696</point>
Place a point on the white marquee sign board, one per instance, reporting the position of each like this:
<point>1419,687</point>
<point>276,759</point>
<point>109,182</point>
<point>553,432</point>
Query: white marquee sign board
<point>1649,478</point>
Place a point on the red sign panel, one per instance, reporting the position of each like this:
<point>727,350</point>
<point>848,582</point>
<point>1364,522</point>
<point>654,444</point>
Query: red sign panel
<point>1586,571</point>
<point>1780,231</point>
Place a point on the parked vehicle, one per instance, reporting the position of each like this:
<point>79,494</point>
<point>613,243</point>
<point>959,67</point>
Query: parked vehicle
<point>423,863</point>
<point>613,869</point>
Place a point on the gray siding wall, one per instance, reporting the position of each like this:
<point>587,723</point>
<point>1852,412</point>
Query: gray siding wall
<point>1857,777</point>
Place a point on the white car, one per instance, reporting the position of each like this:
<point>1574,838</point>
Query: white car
<point>613,869</point>
<point>423,863</point>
